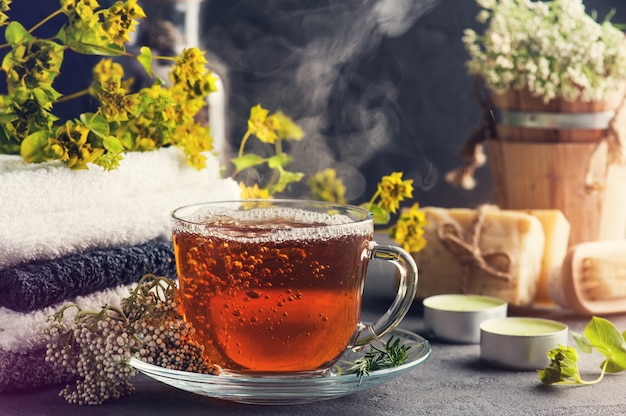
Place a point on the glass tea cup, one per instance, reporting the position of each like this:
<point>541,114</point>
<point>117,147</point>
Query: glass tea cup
<point>275,286</point>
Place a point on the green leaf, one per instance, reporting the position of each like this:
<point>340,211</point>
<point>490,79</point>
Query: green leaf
<point>87,42</point>
<point>96,123</point>
<point>284,179</point>
<point>381,216</point>
<point>113,144</point>
<point>7,62</point>
<point>93,49</point>
<point>7,118</point>
<point>569,363</point>
<point>582,342</point>
<point>21,95</point>
<point>563,368</point>
<point>16,33</point>
<point>607,339</point>
<point>45,95</point>
<point>602,332</point>
<point>127,140</point>
<point>247,161</point>
<point>33,147</point>
<point>145,59</point>
<point>279,161</point>
<point>61,35</point>
<point>550,375</point>
<point>8,146</point>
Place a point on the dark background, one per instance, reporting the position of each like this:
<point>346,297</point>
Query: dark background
<point>378,85</point>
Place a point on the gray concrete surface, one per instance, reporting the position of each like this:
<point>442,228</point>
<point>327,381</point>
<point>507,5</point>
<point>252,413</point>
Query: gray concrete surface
<point>453,381</point>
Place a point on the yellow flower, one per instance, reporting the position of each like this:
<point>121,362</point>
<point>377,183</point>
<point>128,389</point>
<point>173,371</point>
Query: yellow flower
<point>190,66</point>
<point>5,6</point>
<point>157,104</point>
<point>119,21</point>
<point>33,64</point>
<point>106,69</point>
<point>79,8</point>
<point>116,105</point>
<point>408,232</point>
<point>194,139</point>
<point>186,107</point>
<point>191,80</point>
<point>325,186</point>
<point>392,190</point>
<point>154,121</point>
<point>262,125</point>
<point>72,145</point>
<point>253,192</point>
<point>286,128</point>
<point>82,15</point>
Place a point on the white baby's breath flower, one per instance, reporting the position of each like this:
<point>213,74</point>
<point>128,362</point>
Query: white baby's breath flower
<point>553,49</point>
<point>504,62</point>
<point>486,4</point>
<point>483,16</point>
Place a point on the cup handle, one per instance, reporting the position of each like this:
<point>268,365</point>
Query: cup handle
<point>404,298</point>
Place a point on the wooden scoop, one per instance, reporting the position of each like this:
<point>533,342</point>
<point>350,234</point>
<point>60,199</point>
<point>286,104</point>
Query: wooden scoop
<point>594,277</point>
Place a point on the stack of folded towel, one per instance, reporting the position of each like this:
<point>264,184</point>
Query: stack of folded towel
<point>23,341</point>
<point>70,236</point>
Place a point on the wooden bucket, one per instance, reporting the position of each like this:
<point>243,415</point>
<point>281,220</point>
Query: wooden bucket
<point>544,154</point>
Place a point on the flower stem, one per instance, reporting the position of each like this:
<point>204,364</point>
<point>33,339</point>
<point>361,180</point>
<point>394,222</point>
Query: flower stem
<point>371,203</point>
<point>45,20</point>
<point>600,377</point>
<point>279,146</point>
<point>243,143</point>
<point>72,96</point>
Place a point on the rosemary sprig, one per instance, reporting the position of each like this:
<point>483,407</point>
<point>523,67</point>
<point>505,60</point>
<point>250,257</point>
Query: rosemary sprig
<point>377,358</point>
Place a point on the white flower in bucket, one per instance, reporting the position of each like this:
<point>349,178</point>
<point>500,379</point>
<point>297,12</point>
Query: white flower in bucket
<point>551,85</point>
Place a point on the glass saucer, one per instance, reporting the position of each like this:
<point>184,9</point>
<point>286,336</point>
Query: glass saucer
<point>290,389</point>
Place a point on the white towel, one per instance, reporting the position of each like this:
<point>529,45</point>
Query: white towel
<point>23,340</point>
<point>125,222</point>
<point>52,211</point>
<point>30,188</point>
<point>25,331</point>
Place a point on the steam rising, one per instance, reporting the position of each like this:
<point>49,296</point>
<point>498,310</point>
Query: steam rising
<point>303,57</point>
<point>395,17</point>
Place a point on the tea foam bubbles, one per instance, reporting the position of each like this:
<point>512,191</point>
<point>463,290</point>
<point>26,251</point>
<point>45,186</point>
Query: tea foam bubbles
<point>273,224</point>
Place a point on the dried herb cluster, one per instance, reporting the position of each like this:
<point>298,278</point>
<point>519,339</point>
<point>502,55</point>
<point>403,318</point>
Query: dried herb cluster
<point>95,345</point>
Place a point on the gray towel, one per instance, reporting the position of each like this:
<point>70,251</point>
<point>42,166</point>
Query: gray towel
<point>20,370</point>
<point>35,285</point>
<point>23,340</point>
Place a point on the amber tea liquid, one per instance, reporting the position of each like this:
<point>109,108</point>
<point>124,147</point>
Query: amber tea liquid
<point>269,295</point>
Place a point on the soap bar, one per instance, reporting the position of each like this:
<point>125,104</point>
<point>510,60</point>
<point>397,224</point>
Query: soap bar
<point>556,230</point>
<point>594,277</point>
<point>510,244</point>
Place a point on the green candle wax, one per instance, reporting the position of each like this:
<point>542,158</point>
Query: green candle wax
<point>523,326</point>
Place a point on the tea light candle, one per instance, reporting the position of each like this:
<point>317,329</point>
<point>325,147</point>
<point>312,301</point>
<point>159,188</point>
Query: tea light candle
<point>520,343</point>
<point>457,318</point>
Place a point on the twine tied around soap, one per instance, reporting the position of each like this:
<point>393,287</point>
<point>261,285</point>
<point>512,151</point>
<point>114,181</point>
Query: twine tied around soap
<point>495,263</point>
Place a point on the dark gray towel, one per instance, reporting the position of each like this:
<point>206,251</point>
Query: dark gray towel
<point>36,285</point>
<point>20,370</point>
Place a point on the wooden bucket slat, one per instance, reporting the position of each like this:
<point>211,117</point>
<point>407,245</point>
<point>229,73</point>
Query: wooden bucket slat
<point>547,168</point>
<point>544,176</point>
